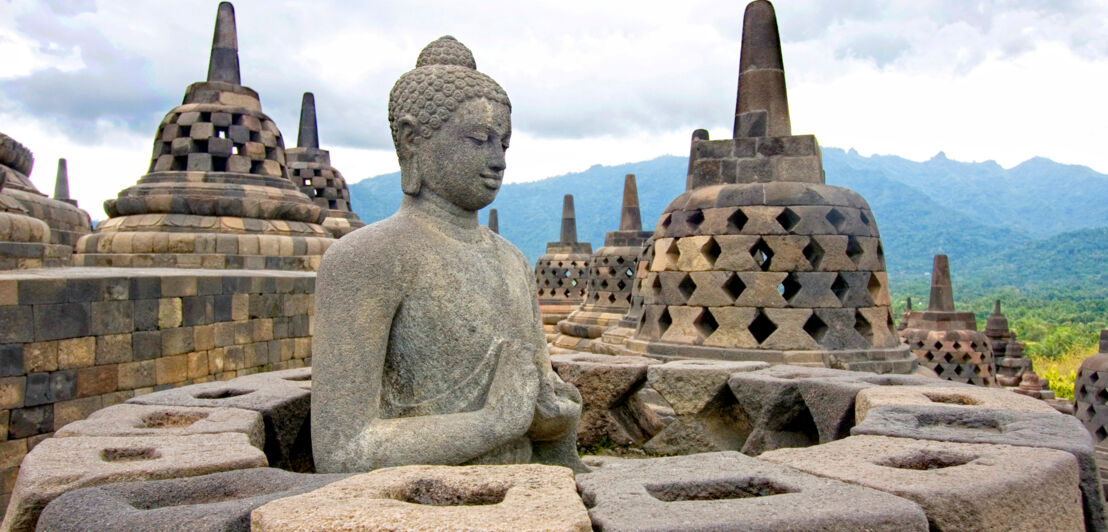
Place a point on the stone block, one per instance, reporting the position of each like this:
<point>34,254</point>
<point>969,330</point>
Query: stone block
<point>1004,427</point>
<point>113,349</point>
<point>11,360</point>
<point>42,291</point>
<point>283,404</point>
<point>146,314</point>
<point>219,501</point>
<point>772,400</point>
<point>60,465</point>
<point>5,419</point>
<point>609,405</point>
<point>169,313</point>
<point>17,324</point>
<point>40,356</point>
<point>139,374</point>
<point>11,454</point>
<point>493,498</point>
<point>177,341</point>
<point>146,345</point>
<point>38,391</point>
<point>66,412</point>
<point>171,369</point>
<point>97,380</point>
<point>158,420</point>
<point>55,322</point>
<point>730,491</point>
<point>708,418</point>
<point>1038,488</point>
<point>953,397</point>
<point>112,317</point>
<point>31,421</point>
<point>77,352</point>
<point>12,392</point>
<point>63,384</point>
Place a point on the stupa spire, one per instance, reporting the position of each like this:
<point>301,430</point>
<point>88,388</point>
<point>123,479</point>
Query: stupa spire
<point>762,109</point>
<point>494,221</point>
<point>909,308</point>
<point>630,219</point>
<point>942,295</point>
<point>224,62</point>
<point>308,136</point>
<point>569,220</point>
<point>61,183</point>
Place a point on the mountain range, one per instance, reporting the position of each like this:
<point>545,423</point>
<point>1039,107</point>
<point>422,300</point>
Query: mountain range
<point>1038,225</point>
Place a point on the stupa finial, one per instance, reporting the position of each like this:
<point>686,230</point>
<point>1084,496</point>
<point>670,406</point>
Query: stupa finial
<point>942,295</point>
<point>629,218</point>
<point>909,308</point>
<point>224,62</point>
<point>569,220</point>
<point>61,183</point>
<point>308,136</point>
<point>494,221</point>
<point>762,109</point>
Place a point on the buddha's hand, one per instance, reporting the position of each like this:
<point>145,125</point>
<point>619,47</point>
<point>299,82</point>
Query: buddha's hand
<point>510,406</point>
<point>557,409</point>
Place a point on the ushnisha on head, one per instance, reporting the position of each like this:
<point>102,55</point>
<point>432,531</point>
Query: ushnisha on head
<point>445,89</point>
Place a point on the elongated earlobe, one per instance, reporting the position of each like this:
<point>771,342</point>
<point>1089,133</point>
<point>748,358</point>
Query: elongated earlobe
<point>411,178</point>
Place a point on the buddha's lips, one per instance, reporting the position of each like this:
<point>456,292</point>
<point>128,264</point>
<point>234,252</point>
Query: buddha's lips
<point>491,182</point>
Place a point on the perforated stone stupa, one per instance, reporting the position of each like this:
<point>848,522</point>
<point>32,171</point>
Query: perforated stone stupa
<point>611,274</point>
<point>1007,352</point>
<point>948,341</point>
<point>311,168</point>
<point>218,194</point>
<point>494,221</point>
<point>562,272</point>
<point>66,221</point>
<point>760,259</point>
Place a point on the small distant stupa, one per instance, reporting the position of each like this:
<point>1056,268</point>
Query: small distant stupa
<point>760,259</point>
<point>218,193</point>
<point>311,168</point>
<point>948,341</point>
<point>562,272</point>
<point>612,271</point>
<point>494,221</point>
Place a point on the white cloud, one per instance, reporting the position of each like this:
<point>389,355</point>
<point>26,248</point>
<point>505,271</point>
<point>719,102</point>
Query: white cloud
<point>591,82</point>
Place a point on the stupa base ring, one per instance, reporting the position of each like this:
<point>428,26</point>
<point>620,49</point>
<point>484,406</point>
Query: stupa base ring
<point>877,360</point>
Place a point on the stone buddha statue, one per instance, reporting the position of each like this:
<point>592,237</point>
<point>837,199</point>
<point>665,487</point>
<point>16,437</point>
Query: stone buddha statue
<point>428,345</point>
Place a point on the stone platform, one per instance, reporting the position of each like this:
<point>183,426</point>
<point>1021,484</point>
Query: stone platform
<point>909,466</point>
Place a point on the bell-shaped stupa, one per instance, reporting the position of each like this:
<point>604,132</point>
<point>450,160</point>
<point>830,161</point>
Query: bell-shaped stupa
<point>310,167</point>
<point>948,341</point>
<point>760,259</point>
<point>611,274</point>
<point>218,193</point>
<point>562,272</point>
<point>66,221</point>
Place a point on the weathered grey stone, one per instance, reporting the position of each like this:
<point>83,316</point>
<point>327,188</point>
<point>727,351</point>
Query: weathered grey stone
<point>1005,427</point>
<point>59,465</point>
<point>707,416</point>
<point>156,420</point>
<point>610,405</point>
<point>831,401</point>
<point>284,406</point>
<point>730,491</point>
<point>960,397</point>
<point>960,486</point>
<point>219,501</point>
<point>493,498</point>
<point>299,377</point>
<point>439,357</point>
<point>780,416</point>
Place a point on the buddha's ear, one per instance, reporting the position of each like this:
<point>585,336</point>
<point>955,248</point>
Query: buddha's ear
<point>407,142</point>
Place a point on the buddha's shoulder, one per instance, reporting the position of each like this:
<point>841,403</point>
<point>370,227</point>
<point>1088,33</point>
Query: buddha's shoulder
<point>379,243</point>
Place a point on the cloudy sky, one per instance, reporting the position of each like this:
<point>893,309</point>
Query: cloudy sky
<point>590,82</point>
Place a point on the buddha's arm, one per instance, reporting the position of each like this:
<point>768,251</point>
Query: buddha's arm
<point>559,404</point>
<point>353,320</point>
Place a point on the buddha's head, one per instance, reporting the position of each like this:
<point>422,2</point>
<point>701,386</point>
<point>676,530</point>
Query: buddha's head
<point>451,125</point>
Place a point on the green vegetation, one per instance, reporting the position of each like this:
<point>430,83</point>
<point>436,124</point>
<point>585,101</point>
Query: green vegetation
<point>1060,327</point>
